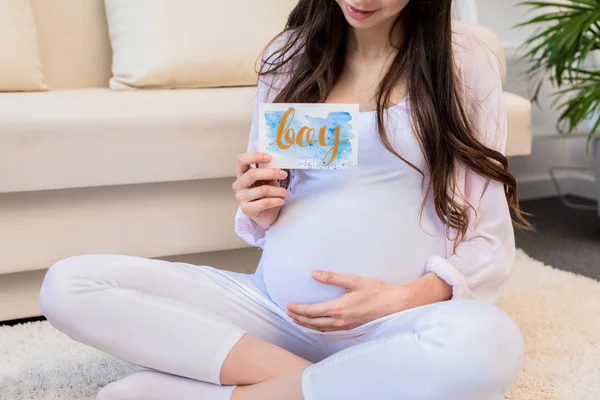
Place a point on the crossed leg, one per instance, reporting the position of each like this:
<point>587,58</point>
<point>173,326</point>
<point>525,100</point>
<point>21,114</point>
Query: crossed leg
<point>197,325</point>
<point>194,324</point>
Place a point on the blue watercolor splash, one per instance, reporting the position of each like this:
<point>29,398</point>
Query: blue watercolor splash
<point>313,154</point>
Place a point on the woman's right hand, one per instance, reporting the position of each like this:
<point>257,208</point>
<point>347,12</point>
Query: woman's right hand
<point>258,189</point>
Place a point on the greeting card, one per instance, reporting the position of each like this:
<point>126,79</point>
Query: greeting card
<point>309,135</point>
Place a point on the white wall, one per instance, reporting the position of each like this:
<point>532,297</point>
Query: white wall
<point>501,15</point>
<point>549,147</point>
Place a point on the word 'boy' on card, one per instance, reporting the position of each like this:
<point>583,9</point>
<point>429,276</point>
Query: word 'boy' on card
<point>309,135</point>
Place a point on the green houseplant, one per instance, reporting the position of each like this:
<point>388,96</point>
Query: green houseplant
<point>566,48</point>
<point>563,48</point>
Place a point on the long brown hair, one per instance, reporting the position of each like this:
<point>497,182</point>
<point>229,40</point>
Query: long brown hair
<point>425,62</point>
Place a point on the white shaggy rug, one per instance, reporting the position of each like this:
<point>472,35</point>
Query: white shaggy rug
<point>558,312</point>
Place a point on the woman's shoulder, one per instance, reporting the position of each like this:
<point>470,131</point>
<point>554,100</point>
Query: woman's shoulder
<point>479,66</point>
<point>479,71</point>
<point>282,46</point>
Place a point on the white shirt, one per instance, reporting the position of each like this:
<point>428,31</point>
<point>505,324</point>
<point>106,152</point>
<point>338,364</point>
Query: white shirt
<point>365,220</point>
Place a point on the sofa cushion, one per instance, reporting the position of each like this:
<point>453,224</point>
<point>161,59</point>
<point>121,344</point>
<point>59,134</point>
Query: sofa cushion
<point>190,43</point>
<point>74,43</point>
<point>97,137</point>
<point>20,65</point>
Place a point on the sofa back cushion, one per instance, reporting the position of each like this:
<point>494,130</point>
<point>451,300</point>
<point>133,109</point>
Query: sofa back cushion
<point>76,50</point>
<point>189,43</point>
<point>20,65</point>
<point>228,36</point>
<point>74,43</point>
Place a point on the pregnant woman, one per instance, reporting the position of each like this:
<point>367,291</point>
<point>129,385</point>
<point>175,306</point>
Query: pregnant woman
<point>375,283</point>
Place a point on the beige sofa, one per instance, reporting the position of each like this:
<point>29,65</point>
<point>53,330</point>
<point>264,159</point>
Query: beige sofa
<point>88,170</point>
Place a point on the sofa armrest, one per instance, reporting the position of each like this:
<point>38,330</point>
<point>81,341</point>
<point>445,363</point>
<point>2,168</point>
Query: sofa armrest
<point>518,110</point>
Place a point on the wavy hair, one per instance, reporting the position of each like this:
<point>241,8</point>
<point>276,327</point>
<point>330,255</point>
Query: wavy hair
<point>425,62</point>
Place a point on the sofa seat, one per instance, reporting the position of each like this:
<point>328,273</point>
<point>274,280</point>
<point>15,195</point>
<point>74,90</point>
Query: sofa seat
<point>98,137</point>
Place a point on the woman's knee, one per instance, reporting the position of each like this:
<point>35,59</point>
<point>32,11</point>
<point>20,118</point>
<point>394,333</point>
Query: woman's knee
<point>59,295</point>
<point>467,348</point>
<point>477,322</point>
<point>484,343</point>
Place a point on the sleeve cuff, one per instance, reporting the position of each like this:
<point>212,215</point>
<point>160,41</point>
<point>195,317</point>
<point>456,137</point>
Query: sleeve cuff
<point>442,268</point>
<point>247,229</point>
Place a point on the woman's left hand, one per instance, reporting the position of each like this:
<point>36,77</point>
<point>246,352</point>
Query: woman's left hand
<point>366,299</point>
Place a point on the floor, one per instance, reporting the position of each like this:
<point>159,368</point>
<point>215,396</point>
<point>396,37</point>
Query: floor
<point>566,238</point>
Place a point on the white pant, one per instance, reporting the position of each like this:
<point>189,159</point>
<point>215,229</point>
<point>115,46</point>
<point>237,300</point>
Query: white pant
<point>184,319</point>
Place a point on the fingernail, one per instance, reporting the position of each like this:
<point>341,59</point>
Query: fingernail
<point>316,274</point>
<point>283,174</point>
<point>267,157</point>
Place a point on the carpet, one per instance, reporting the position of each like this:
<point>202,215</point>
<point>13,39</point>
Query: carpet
<point>557,311</point>
<point>577,233</point>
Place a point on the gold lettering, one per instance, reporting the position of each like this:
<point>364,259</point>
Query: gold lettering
<point>336,146</point>
<point>310,137</point>
<point>284,128</point>
<point>286,137</point>
<point>322,133</point>
<point>301,132</point>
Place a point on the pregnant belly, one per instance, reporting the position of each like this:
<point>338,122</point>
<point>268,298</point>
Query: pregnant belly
<point>365,234</point>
